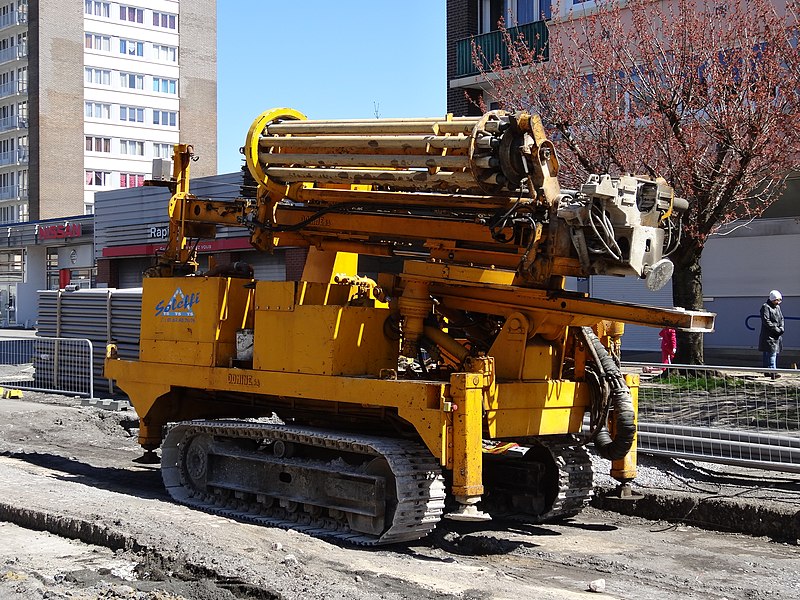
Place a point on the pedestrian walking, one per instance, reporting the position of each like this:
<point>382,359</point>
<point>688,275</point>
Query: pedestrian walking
<point>669,345</point>
<point>770,340</point>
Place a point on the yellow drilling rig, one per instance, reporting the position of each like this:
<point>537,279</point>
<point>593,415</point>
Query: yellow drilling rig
<point>365,409</point>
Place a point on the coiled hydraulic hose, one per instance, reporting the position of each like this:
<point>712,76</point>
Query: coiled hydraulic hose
<point>619,398</point>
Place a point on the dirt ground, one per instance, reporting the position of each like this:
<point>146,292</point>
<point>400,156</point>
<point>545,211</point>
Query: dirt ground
<point>80,520</point>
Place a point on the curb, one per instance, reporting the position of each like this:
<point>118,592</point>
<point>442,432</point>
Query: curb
<point>68,527</point>
<point>781,522</point>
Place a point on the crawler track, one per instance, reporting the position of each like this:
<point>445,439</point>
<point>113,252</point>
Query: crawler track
<point>565,488</point>
<point>410,508</point>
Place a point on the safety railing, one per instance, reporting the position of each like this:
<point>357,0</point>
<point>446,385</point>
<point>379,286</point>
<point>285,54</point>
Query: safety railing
<point>7,123</point>
<point>13,191</point>
<point>14,156</point>
<point>730,415</point>
<point>13,53</point>
<point>45,364</point>
<point>16,17</point>
<point>13,87</point>
<point>492,46</point>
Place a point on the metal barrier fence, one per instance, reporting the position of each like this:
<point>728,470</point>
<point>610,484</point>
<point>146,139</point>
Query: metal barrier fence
<point>730,415</point>
<point>46,364</point>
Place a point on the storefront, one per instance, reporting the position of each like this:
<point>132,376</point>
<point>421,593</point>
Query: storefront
<point>42,255</point>
<point>131,228</point>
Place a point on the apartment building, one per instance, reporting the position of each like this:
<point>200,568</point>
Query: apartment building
<point>90,93</point>
<point>734,294</point>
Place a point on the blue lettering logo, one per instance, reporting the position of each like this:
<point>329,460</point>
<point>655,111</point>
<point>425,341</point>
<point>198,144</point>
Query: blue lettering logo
<point>180,305</point>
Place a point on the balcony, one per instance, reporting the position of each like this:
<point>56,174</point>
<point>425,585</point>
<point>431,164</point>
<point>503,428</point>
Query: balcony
<point>13,53</point>
<point>10,192</point>
<point>13,87</point>
<point>14,157</point>
<point>16,17</point>
<point>492,45</point>
<point>8,123</point>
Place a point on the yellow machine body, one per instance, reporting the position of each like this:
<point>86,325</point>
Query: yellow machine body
<point>316,332</point>
<point>192,320</point>
<point>318,351</point>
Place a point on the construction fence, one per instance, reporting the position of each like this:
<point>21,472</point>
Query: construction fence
<point>47,364</point>
<point>732,415</point>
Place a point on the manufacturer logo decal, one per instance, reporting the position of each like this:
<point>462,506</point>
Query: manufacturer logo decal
<point>179,308</point>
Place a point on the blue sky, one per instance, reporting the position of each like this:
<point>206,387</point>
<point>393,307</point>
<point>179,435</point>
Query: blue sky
<point>328,60</point>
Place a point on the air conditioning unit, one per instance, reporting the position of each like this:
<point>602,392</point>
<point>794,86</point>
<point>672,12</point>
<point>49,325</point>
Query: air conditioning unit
<point>162,169</point>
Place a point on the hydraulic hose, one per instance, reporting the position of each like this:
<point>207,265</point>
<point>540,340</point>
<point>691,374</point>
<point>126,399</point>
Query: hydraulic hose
<point>620,400</point>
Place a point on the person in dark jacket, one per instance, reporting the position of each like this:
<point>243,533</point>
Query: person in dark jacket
<point>770,340</point>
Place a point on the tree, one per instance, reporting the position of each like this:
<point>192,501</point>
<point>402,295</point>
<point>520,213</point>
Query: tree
<point>703,94</point>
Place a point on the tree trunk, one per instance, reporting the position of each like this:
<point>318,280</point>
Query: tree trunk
<point>687,292</point>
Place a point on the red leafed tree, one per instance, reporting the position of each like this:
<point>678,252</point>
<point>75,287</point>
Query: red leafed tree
<point>704,94</point>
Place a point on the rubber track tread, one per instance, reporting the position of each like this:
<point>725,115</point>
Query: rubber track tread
<point>419,483</point>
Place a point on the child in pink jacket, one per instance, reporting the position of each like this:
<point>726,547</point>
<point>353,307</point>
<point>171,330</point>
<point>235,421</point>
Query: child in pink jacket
<point>669,345</point>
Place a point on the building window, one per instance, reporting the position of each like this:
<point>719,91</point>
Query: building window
<point>165,86</point>
<point>22,44</point>
<point>168,118</point>
<point>93,41</point>
<point>131,81</point>
<point>131,14</point>
<point>165,20</point>
<point>51,266</point>
<point>11,261</point>
<point>22,180</point>
<point>129,180</point>
<point>8,119</point>
<point>525,12</point>
<point>98,178</point>
<point>98,9</point>
<point>22,79</point>
<point>162,150</point>
<point>98,76</point>
<point>98,144</point>
<point>97,110</point>
<point>134,114</point>
<point>131,147</point>
<point>22,147</point>
<point>165,53</point>
<point>8,155</point>
<point>131,47</point>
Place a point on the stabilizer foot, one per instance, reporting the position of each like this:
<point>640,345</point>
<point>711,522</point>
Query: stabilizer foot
<point>148,458</point>
<point>624,491</point>
<point>468,512</point>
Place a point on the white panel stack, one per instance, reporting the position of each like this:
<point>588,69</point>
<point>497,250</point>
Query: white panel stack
<point>100,315</point>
